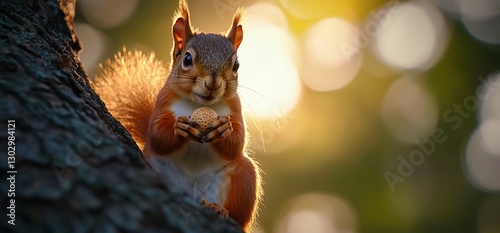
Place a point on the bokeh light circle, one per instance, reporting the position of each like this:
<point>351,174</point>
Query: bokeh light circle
<point>490,136</point>
<point>108,13</point>
<point>485,30</point>
<point>95,46</point>
<point>331,42</point>
<point>307,10</point>
<point>318,213</point>
<point>332,55</point>
<point>413,37</point>
<point>490,97</point>
<point>482,167</point>
<point>409,111</point>
<point>478,9</point>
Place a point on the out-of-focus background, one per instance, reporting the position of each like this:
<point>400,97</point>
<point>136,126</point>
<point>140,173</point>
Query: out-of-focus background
<point>366,116</point>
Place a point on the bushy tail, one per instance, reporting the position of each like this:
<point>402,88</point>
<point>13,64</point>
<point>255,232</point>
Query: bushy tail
<point>128,85</point>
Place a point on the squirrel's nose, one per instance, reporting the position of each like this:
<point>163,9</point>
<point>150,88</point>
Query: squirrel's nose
<point>213,85</point>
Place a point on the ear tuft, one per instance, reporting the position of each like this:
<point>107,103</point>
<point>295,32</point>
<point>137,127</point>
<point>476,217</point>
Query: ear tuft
<point>181,29</point>
<point>235,33</point>
<point>182,10</point>
<point>238,16</point>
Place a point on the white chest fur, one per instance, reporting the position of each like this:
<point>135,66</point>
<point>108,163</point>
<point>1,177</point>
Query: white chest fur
<point>195,168</point>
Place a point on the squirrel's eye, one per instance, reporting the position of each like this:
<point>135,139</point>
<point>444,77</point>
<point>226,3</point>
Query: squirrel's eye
<point>188,60</point>
<point>236,65</point>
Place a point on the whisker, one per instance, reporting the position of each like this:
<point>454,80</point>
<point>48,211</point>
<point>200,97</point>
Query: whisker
<point>249,89</point>
<point>251,115</point>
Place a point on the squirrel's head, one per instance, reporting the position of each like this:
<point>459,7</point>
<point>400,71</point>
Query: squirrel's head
<point>204,66</point>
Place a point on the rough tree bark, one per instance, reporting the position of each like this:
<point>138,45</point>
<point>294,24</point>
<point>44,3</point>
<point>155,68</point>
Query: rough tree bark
<point>78,169</point>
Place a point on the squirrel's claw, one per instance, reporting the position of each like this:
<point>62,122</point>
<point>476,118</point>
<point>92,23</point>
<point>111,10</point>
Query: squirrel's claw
<point>220,128</point>
<point>184,128</point>
<point>216,208</point>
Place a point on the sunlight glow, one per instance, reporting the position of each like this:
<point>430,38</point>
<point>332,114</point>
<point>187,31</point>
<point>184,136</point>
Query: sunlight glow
<point>414,38</point>
<point>332,56</point>
<point>268,76</point>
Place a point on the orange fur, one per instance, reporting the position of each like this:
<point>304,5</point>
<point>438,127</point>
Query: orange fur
<point>244,192</point>
<point>161,137</point>
<point>232,147</point>
<point>117,85</point>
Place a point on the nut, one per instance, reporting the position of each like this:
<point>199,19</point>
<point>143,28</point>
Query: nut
<point>203,117</point>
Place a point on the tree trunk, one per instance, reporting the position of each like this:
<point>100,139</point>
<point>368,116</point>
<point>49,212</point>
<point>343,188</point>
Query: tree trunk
<point>71,166</point>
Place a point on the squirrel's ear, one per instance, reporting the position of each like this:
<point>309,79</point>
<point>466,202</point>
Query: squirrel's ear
<point>181,30</point>
<point>235,33</point>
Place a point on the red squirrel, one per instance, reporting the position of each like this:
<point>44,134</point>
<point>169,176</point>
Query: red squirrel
<point>212,167</point>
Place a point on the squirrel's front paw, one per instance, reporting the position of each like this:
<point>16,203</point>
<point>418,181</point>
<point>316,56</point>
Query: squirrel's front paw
<point>219,129</point>
<point>216,208</point>
<point>184,128</point>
